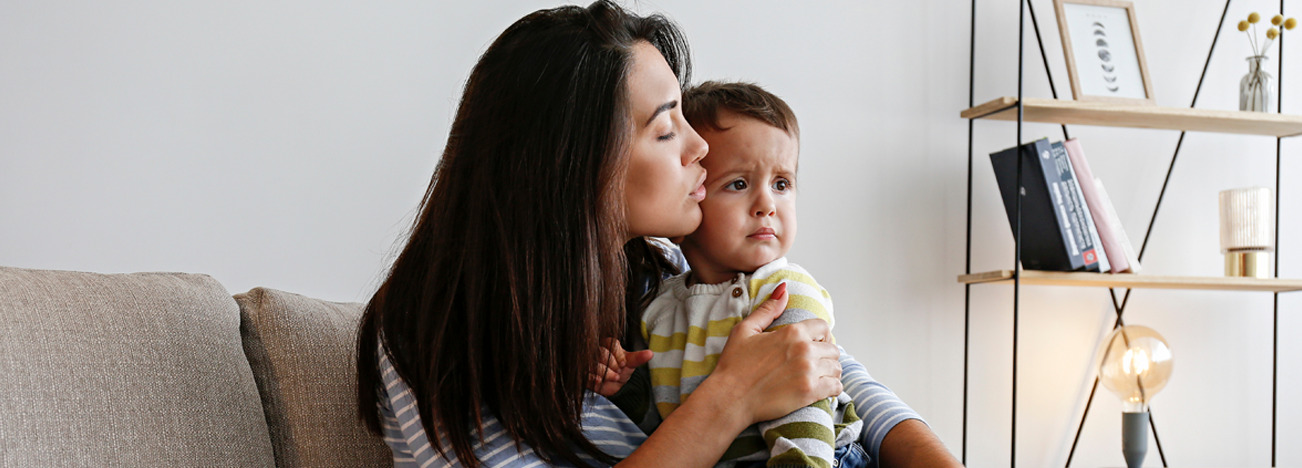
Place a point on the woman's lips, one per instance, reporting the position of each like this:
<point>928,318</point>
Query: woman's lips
<point>699,193</point>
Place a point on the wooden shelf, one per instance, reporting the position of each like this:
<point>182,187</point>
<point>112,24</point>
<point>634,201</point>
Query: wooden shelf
<point>1125,280</point>
<point>1142,116</point>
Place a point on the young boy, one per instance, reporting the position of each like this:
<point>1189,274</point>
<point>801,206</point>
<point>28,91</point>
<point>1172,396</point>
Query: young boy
<point>737,260</point>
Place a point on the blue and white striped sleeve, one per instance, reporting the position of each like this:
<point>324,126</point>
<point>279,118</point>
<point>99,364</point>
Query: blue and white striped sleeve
<point>875,404</point>
<point>672,252</point>
<point>401,424</point>
<point>603,423</point>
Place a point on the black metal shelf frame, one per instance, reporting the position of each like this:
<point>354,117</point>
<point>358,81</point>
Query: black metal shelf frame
<point>1024,6</point>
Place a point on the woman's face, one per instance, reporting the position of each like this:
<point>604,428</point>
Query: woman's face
<point>664,183</point>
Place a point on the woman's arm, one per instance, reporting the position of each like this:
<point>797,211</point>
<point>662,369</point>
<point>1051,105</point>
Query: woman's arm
<point>695,434</point>
<point>760,376</point>
<point>912,444</point>
<point>894,434</point>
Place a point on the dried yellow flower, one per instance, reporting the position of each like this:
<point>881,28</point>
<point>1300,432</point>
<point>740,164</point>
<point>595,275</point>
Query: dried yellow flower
<point>1290,23</point>
<point>1254,17</point>
<point>1277,19</point>
<point>1272,33</point>
<point>1243,25</point>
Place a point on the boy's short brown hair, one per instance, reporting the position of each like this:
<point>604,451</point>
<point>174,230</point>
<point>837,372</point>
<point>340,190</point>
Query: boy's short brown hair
<point>701,104</point>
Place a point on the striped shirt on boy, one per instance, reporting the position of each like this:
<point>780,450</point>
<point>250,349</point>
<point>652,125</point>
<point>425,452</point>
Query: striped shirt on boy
<point>688,327</point>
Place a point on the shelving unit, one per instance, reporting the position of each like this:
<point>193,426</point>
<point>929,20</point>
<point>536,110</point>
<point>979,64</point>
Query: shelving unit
<point>1129,281</point>
<point>1118,115</point>
<point>1020,109</point>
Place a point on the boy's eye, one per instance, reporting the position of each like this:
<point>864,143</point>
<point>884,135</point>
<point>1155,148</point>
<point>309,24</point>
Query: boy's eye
<point>737,185</point>
<point>782,185</point>
<point>666,137</point>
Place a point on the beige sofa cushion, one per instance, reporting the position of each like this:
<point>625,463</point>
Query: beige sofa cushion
<point>141,369</point>
<point>302,351</point>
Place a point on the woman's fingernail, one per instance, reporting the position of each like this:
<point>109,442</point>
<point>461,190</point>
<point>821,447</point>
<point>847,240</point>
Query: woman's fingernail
<point>780,291</point>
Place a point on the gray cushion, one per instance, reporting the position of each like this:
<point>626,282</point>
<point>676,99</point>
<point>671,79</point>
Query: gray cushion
<point>302,351</point>
<point>141,369</point>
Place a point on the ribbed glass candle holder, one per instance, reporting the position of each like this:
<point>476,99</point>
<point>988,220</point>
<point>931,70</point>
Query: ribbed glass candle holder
<point>1247,230</point>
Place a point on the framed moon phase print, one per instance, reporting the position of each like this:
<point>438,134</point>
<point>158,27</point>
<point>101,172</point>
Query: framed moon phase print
<point>1105,59</point>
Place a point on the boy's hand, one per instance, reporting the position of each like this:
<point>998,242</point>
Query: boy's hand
<point>616,367</point>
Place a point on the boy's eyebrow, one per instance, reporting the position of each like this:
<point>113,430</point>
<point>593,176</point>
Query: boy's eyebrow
<point>663,107</point>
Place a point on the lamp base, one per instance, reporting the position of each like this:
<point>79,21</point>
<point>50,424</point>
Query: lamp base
<point>1134,438</point>
<point>1247,263</point>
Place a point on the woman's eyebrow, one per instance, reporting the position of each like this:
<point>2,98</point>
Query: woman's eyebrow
<point>663,107</point>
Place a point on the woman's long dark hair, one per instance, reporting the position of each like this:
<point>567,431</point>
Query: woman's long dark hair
<point>516,267</point>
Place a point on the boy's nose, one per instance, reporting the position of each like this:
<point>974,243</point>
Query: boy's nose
<point>764,204</point>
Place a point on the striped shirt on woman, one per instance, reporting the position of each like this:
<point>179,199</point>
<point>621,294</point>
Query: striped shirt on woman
<point>603,423</point>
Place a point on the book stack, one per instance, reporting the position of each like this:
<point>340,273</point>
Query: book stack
<point>1068,222</point>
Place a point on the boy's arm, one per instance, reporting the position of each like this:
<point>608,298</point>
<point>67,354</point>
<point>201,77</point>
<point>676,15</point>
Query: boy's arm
<point>809,300</point>
<point>806,436</point>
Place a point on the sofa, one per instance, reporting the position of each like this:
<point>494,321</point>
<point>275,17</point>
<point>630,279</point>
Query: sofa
<point>170,369</point>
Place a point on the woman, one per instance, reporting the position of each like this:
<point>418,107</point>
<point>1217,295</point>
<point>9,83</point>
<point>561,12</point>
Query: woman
<point>567,151</point>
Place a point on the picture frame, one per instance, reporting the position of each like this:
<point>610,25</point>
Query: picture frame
<point>1105,57</point>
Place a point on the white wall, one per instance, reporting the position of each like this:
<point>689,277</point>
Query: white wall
<point>286,145</point>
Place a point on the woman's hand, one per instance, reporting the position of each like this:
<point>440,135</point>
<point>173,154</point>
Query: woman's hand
<point>761,376</point>
<point>774,373</point>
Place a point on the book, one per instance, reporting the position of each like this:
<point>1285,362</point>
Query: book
<point>1048,240</point>
<point>1082,221</point>
<point>1123,242</point>
<point>1109,229</point>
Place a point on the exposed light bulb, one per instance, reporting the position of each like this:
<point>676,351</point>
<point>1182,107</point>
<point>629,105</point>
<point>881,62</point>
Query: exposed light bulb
<point>1135,365</point>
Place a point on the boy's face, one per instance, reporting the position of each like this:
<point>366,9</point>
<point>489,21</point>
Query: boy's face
<point>748,217</point>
